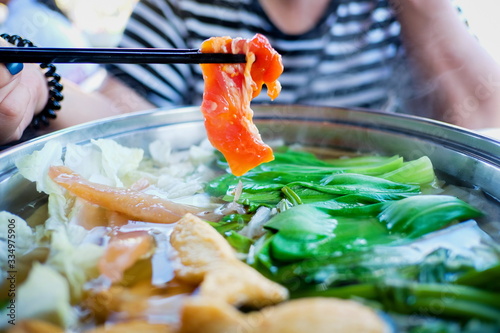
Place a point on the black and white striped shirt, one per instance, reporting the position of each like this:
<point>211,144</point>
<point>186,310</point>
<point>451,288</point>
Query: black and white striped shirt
<point>351,59</point>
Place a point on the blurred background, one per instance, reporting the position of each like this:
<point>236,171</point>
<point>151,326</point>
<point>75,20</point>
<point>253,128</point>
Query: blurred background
<point>484,20</point>
<point>103,21</point>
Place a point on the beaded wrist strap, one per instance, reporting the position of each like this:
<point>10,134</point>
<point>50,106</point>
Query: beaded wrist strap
<point>55,87</point>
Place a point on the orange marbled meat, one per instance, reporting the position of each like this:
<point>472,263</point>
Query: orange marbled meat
<point>229,89</point>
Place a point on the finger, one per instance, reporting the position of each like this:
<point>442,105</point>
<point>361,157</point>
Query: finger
<point>23,92</point>
<point>3,42</point>
<point>11,69</point>
<point>14,67</point>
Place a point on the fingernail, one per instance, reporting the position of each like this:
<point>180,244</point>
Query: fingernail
<point>14,67</point>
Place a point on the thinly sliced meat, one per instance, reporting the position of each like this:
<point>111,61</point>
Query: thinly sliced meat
<point>134,204</point>
<point>229,89</point>
<point>123,251</point>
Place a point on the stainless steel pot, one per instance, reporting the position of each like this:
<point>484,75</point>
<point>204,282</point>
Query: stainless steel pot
<point>459,155</point>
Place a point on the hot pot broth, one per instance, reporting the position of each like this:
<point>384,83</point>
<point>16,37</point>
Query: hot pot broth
<point>152,294</point>
<point>329,270</point>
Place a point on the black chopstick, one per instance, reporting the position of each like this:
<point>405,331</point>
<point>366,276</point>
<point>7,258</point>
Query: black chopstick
<point>114,56</point>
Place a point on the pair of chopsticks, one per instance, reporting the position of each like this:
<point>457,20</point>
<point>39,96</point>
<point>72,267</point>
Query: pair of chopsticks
<point>114,56</point>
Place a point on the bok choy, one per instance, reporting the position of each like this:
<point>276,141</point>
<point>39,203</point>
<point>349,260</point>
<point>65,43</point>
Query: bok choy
<point>360,228</point>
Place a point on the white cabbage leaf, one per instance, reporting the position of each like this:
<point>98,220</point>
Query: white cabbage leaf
<point>44,295</point>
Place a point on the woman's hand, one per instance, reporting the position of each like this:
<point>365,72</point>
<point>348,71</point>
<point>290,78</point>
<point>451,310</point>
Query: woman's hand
<point>21,96</point>
<point>24,93</point>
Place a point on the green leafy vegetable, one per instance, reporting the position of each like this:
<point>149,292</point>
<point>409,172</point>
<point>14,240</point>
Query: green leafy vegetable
<point>361,228</point>
<point>418,215</point>
<point>488,279</point>
<point>419,171</point>
<point>239,242</point>
<point>299,166</point>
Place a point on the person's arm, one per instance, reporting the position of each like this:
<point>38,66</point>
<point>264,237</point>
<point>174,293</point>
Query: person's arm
<point>113,98</point>
<point>25,94</point>
<point>465,79</point>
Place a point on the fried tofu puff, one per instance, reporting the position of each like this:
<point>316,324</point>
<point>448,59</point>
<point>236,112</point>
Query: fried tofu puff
<point>319,315</point>
<point>209,261</point>
<point>225,283</point>
<point>133,327</point>
<point>34,326</point>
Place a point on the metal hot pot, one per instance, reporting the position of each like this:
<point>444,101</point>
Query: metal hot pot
<point>460,156</point>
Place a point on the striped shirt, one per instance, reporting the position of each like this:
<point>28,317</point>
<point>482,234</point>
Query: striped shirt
<point>352,58</point>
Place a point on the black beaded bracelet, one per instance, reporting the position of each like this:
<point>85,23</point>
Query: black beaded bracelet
<point>55,87</point>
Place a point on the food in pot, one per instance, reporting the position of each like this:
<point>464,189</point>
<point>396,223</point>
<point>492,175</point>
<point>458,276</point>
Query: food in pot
<point>374,241</point>
<point>132,204</point>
